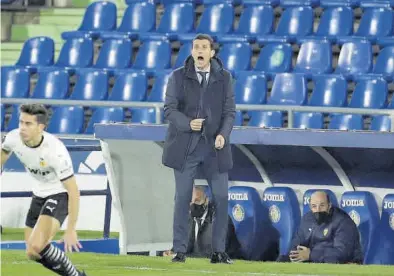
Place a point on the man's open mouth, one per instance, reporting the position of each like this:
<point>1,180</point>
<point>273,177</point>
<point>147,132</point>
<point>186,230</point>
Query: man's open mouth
<point>200,58</point>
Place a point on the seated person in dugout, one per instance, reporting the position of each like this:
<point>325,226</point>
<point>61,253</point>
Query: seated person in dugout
<point>200,229</point>
<point>326,235</point>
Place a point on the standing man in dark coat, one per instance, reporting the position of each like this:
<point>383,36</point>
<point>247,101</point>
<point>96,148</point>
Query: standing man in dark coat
<point>200,108</point>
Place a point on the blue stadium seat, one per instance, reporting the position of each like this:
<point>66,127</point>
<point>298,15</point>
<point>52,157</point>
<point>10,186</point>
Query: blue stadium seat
<point>143,115</point>
<point>289,89</point>
<point>255,21</point>
<point>15,83</point>
<point>307,198</point>
<point>2,109</point>
<point>362,208</point>
<point>346,122</point>
<point>36,52</point>
<point>340,3</point>
<point>91,85</point>
<point>308,120</point>
<point>60,121</point>
<point>370,93</point>
<point>275,58</point>
<point>314,57</point>
<point>272,3</point>
<point>294,22</point>
<point>217,19</point>
<point>153,55</point>
<point>250,88</point>
<point>376,22</point>
<point>183,53</point>
<point>284,212</point>
<point>238,118</point>
<point>391,105</point>
<point>381,123</point>
<point>51,85</point>
<point>99,16</point>
<point>236,56</point>
<point>129,86</point>
<point>158,92</point>
<point>385,41</point>
<point>375,3</point>
<point>178,18</point>
<point>334,22</point>
<point>252,227</point>
<point>76,53</point>
<point>14,120</point>
<point>385,63</point>
<point>137,18</point>
<point>105,115</point>
<point>115,54</point>
<point>329,90</point>
<point>382,246</point>
<point>298,3</point>
<point>355,58</point>
<point>266,119</point>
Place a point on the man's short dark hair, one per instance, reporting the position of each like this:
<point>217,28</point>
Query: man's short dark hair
<point>205,37</point>
<point>37,110</point>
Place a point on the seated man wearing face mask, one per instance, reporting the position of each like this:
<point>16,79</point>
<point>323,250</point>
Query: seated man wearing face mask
<point>326,235</point>
<point>200,229</point>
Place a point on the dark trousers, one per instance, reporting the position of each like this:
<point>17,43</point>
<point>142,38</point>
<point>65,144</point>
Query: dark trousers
<point>205,155</point>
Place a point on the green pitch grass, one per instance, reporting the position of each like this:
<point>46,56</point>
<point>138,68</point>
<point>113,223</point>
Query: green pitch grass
<point>14,263</point>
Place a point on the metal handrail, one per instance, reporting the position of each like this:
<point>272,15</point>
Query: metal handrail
<point>290,109</point>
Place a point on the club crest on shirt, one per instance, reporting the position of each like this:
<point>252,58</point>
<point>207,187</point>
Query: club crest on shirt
<point>238,213</point>
<point>42,162</point>
<point>325,232</point>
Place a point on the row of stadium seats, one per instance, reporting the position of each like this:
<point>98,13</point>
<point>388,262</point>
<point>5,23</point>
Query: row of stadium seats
<point>60,123</point>
<point>314,57</point>
<point>250,88</point>
<point>256,23</point>
<point>280,207</point>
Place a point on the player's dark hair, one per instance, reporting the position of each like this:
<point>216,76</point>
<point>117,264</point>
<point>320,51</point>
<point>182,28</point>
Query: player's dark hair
<point>37,110</point>
<point>205,37</point>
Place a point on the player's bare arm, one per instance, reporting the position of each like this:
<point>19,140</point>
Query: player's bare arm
<point>70,237</point>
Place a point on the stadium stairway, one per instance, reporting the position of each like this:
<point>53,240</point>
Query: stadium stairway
<point>50,22</point>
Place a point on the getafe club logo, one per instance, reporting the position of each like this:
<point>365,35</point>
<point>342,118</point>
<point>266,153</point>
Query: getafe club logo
<point>42,162</point>
<point>325,232</point>
<point>274,214</point>
<point>238,213</point>
<point>391,221</point>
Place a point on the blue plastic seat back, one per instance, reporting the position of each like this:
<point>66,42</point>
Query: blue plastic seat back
<point>177,18</point>
<point>340,3</point>
<point>289,89</point>
<point>256,20</point>
<point>51,85</point>
<point>292,3</point>
<point>355,58</point>
<point>60,121</point>
<point>115,53</point>
<point>91,85</point>
<point>143,115</point>
<point>183,53</point>
<point>238,118</point>
<point>329,90</point>
<point>284,213</point>
<point>308,120</point>
<point>381,123</point>
<point>336,21</point>
<point>346,122</point>
<point>76,52</point>
<point>376,22</point>
<point>153,55</point>
<point>15,83</point>
<point>266,119</point>
<point>139,17</point>
<point>216,19</point>
<point>14,120</point>
<point>370,93</point>
<point>314,57</point>
<point>37,51</point>
<point>103,115</point>
<point>382,250</point>
<point>385,62</point>
<point>307,199</point>
<point>296,21</point>
<point>99,16</point>
<point>250,88</point>
<point>2,109</point>
<point>235,56</point>
<point>251,223</point>
<point>159,87</point>
<point>275,58</point>
<point>129,86</point>
<point>361,206</point>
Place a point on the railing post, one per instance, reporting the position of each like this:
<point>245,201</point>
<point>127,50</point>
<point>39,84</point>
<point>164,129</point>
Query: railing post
<point>107,214</point>
<point>158,114</point>
<point>392,122</point>
<point>290,118</point>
